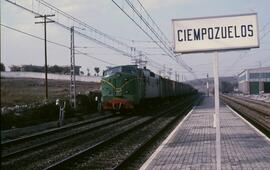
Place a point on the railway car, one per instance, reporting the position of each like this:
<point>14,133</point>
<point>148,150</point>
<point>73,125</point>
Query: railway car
<point>125,87</point>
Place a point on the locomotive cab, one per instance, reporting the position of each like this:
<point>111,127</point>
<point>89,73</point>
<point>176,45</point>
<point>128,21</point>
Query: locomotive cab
<point>119,88</point>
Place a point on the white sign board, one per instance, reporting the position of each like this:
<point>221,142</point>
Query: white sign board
<point>215,33</point>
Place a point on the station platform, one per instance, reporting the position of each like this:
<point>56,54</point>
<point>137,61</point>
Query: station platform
<point>192,143</point>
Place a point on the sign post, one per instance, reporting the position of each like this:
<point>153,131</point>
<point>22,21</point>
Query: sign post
<point>216,123</point>
<point>215,34</point>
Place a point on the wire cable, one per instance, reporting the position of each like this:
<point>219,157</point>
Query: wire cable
<point>164,46</point>
<point>55,43</point>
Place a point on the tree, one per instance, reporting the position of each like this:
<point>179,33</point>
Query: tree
<point>15,68</point>
<point>55,69</point>
<point>88,73</point>
<point>2,67</point>
<point>96,70</point>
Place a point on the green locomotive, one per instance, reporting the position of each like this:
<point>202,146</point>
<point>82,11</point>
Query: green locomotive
<point>124,87</point>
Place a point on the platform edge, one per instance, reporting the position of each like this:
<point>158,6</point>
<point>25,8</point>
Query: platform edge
<point>150,159</point>
<point>256,129</point>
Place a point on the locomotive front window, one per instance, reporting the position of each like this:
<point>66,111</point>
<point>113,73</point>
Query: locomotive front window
<point>125,69</point>
<point>111,71</point>
<point>128,69</point>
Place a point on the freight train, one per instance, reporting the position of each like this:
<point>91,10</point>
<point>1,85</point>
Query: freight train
<point>125,87</point>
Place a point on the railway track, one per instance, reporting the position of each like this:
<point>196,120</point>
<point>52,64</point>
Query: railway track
<point>122,146</point>
<point>50,141</point>
<point>26,140</point>
<point>256,112</point>
<point>8,143</point>
<point>39,156</point>
<point>261,103</point>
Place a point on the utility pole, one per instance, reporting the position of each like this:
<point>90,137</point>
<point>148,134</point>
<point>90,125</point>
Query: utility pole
<point>72,92</point>
<point>45,48</point>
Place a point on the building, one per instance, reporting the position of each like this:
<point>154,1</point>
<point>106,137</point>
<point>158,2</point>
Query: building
<point>254,81</point>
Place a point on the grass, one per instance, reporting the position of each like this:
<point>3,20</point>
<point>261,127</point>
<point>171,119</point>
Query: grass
<point>19,91</point>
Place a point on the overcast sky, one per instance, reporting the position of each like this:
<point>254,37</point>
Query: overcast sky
<point>104,15</point>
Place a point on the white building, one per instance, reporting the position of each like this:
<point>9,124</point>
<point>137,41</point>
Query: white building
<point>254,81</point>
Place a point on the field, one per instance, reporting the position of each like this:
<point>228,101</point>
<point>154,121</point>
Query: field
<point>19,91</point>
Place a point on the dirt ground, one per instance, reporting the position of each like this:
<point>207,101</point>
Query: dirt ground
<point>19,91</point>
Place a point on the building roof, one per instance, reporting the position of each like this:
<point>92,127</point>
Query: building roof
<point>256,69</point>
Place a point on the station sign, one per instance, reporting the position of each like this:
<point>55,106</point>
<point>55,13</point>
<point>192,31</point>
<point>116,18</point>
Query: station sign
<point>215,33</point>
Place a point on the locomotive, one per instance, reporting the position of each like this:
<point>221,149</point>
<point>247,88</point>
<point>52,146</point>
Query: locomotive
<point>125,87</point>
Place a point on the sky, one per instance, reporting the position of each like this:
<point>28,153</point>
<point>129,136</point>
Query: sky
<point>104,15</point>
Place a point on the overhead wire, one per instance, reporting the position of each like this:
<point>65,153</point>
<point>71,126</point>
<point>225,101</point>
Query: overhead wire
<point>165,47</point>
<point>55,43</point>
<point>136,23</point>
<point>81,22</point>
<point>153,21</point>
<point>149,27</point>
<point>62,45</point>
<point>77,32</point>
<point>244,54</point>
<point>94,29</point>
<point>157,35</point>
<point>125,53</point>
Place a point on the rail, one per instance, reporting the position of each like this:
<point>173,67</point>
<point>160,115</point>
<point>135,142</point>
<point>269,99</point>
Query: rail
<point>256,113</point>
<point>77,157</point>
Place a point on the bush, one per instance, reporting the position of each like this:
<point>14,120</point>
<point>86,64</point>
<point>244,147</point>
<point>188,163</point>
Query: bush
<point>28,115</point>
<point>2,67</point>
<point>33,115</point>
<point>87,103</point>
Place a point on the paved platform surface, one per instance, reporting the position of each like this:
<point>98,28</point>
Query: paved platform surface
<point>192,146</point>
